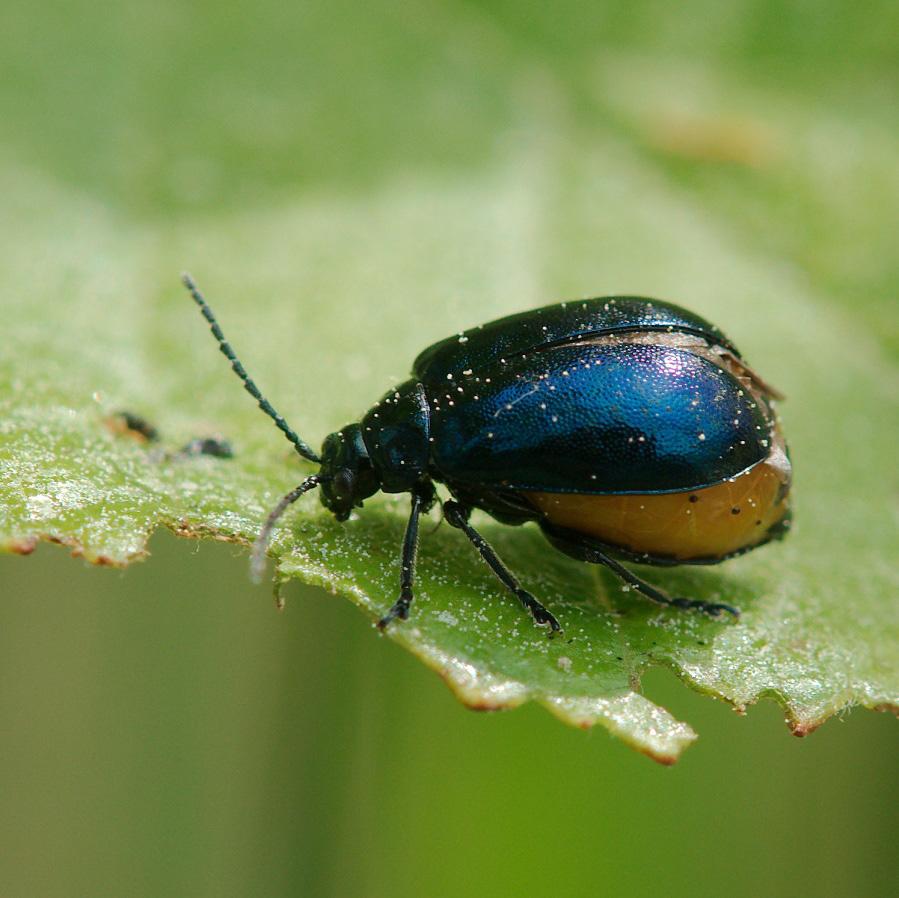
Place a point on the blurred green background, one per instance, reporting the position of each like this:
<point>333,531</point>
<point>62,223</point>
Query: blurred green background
<point>164,731</point>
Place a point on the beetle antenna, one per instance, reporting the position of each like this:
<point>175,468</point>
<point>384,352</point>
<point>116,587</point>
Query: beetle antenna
<point>257,556</point>
<point>305,450</point>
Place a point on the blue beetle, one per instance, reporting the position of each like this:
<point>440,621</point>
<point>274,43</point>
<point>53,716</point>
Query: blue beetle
<point>625,427</point>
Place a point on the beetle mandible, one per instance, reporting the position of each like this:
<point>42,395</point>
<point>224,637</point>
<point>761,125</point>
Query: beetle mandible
<point>626,427</point>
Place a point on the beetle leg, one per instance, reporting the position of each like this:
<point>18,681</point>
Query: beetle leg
<point>422,499</point>
<point>457,516</point>
<point>711,608</point>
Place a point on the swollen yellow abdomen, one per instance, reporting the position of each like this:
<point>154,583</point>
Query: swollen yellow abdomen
<point>706,523</point>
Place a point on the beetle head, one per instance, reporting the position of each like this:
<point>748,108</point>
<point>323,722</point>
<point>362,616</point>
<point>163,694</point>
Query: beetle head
<point>347,472</point>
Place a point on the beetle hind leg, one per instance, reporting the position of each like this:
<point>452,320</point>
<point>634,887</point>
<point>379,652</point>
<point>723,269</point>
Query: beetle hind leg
<point>713,609</point>
<point>457,516</point>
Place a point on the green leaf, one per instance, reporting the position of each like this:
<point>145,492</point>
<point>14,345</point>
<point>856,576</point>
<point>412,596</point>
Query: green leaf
<point>329,284</point>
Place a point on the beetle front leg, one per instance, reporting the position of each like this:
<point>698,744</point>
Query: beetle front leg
<point>457,516</point>
<point>422,500</point>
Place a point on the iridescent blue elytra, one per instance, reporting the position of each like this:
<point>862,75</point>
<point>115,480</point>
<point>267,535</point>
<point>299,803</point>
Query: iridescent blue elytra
<point>615,418</point>
<point>624,427</point>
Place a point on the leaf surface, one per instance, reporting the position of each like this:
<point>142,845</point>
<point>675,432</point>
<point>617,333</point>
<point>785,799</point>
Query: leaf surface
<point>330,288</point>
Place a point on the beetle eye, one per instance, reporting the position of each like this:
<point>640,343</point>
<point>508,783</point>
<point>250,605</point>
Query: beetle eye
<point>344,480</point>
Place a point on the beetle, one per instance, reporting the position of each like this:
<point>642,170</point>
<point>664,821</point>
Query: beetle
<point>627,428</point>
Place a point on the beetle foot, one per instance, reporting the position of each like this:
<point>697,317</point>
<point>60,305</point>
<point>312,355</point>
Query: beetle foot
<point>399,611</point>
<point>541,615</point>
<point>712,609</point>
